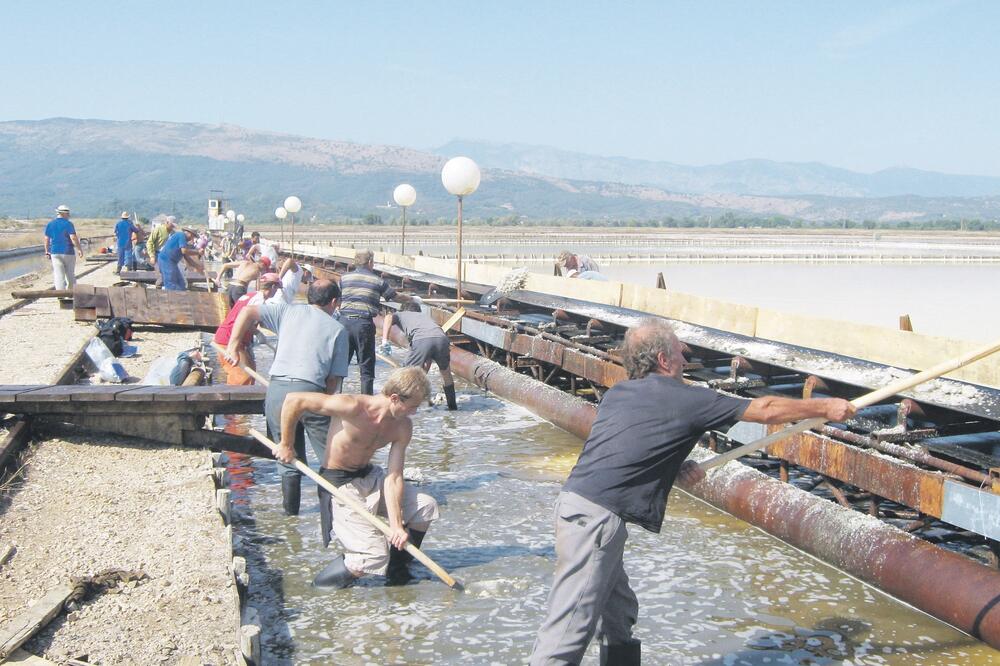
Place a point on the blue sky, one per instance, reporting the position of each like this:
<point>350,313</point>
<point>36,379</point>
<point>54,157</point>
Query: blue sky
<point>861,85</point>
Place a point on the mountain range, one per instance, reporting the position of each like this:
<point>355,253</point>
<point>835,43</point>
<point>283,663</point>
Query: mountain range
<point>99,167</point>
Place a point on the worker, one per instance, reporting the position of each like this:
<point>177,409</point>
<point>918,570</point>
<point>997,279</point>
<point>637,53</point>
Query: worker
<point>235,375</point>
<point>586,275</point>
<point>124,234</point>
<point>645,428</point>
<point>360,426</point>
<point>157,238</point>
<point>293,275</point>
<point>568,261</point>
<point>311,356</point>
<point>177,249</point>
<point>244,272</point>
<point>428,344</point>
<point>361,291</point>
<point>60,241</point>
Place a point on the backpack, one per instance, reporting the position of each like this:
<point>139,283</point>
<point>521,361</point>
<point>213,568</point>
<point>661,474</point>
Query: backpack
<point>114,332</point>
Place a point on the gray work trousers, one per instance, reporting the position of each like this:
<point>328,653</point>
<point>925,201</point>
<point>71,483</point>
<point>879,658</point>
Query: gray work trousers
<point>311,426</point>
<point>590,591</point>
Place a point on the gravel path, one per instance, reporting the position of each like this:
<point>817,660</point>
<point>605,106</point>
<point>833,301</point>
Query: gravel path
<point>89,503</point>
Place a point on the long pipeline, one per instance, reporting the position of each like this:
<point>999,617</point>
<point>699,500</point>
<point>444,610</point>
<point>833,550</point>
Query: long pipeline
<point>949,586</point>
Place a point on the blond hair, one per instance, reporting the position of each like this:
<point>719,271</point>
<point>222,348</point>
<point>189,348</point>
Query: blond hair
<point>407,383</point>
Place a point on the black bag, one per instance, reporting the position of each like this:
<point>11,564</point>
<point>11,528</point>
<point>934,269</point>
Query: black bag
<point>114,332</point>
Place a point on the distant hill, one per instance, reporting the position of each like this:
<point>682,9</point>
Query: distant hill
<point>758,177</point>
<point>99,167</point>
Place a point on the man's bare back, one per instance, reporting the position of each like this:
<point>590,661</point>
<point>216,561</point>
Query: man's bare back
<point>366,427</point>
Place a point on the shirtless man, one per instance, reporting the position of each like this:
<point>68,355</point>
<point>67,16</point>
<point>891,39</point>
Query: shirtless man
<point>360,425</point>
<point>244,273</point>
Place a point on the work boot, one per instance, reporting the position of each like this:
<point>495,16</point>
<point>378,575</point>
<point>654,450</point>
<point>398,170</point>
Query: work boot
<point>368,386</point>
<point>621,654</point>
<point>291,493</point>
<point>449,394</point>
<point>334,576</point>
<point>398,572</point>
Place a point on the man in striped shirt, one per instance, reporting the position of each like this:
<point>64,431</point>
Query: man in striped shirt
<point>360,294</point>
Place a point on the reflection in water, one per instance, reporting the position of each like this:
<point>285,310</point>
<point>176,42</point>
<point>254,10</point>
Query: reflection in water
<point>712,589</point>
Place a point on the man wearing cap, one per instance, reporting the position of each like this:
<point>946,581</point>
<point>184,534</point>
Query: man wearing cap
<point>361,291</point>
<point>124,231</point>
<point>235,375</point>
<point>60,241</point>
<point>292,274</point>
<point>177,248</point>
<point>244,272</point>
<point>311,356</point>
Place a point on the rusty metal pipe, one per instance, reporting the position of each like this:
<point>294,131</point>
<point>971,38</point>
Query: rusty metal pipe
<point>907,453</point>
<point>961,592</point>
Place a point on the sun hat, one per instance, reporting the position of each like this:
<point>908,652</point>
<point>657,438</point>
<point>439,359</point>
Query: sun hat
<point>125,214</point>
<point>307,267</point>
<point>62,209</point>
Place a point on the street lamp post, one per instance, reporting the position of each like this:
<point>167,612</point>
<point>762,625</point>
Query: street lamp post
<point>404,195</point>
<point>293,205</point>
<point>460,176</point>
<point>281,214</point>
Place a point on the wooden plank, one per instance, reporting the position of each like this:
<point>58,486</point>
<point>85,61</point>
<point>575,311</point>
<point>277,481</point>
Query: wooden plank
<point>8,391</point>
<point>135,300</point>
<point>102,304</point>
<point>17,437</point>
<point>215,392</point>
<point>102,393</point>
<point>454,319</point>
<point>83,296</point>
<point>24,626</point>
<point>117,297</point>
<point>56,393</point>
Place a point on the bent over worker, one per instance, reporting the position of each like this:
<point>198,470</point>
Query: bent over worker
<point>176,249</point>
<point>428,344</point>
<point>361,425</point>
<point>645,428</point>
<point>311,356</point>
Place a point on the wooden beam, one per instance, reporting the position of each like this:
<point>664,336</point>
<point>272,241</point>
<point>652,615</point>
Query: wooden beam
<point>25,625</point>
<point>454,319</point>
<point>42,293</point>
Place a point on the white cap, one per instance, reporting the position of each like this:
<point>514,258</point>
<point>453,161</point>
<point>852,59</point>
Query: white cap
<point>62,209</point>
<point>572,273</point>
<point>125,214</point>
<point>307,267</point>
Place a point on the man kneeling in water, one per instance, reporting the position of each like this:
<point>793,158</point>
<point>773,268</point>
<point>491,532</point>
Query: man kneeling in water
<point>359,426</point>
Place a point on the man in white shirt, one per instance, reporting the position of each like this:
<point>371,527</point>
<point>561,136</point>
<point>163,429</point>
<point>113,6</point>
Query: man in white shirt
<point>292,275</point>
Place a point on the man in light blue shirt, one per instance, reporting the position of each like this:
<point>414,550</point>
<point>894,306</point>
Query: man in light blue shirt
<point>311,356</point>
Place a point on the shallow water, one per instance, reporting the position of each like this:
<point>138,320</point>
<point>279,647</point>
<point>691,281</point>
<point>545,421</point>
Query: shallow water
<point>13,267</point>
<point>712,589</point>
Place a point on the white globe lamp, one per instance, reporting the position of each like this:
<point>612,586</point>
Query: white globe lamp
<point>241,218</point>
<point>404,195</point>
<point>293,205</point>
<point>281,214</point>
<point>460,176</point>
<point>230,215</point>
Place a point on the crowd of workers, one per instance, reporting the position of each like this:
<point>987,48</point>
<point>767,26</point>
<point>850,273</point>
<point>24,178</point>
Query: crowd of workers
<point>643,432</point>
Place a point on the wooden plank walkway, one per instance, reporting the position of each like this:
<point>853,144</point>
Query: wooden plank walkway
<point>192,309</point>
<point>134,399</point>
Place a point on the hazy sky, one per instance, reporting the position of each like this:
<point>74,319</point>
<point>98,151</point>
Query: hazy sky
<point>863,85</point>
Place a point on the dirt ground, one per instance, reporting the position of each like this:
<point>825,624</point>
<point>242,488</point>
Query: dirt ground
<point>87,503</point>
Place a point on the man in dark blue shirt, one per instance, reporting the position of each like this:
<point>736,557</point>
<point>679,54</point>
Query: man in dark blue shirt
<point>177,248</point>
<point>361,292</point>
<point>645,428</point>
<point>123,234</point>
<point>60,241</point>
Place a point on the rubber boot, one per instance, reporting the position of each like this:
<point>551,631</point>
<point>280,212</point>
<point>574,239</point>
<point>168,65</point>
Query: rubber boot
<point>621,654</point>
<point>398,572</point>
<point>368,386</point>
<point>291,493</point>
<point>334,576</point>
<point>449,393</point>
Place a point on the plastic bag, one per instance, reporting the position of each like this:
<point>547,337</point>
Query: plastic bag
<point>108,368</point>
<point>159,371</point>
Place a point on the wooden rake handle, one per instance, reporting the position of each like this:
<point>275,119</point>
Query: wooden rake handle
<point>898,386</point>
<point>220,350</point>
<point>362,511</point>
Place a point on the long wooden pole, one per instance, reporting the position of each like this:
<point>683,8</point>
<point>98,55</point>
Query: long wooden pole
<point>898,386</point>
<point>360,509</point>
